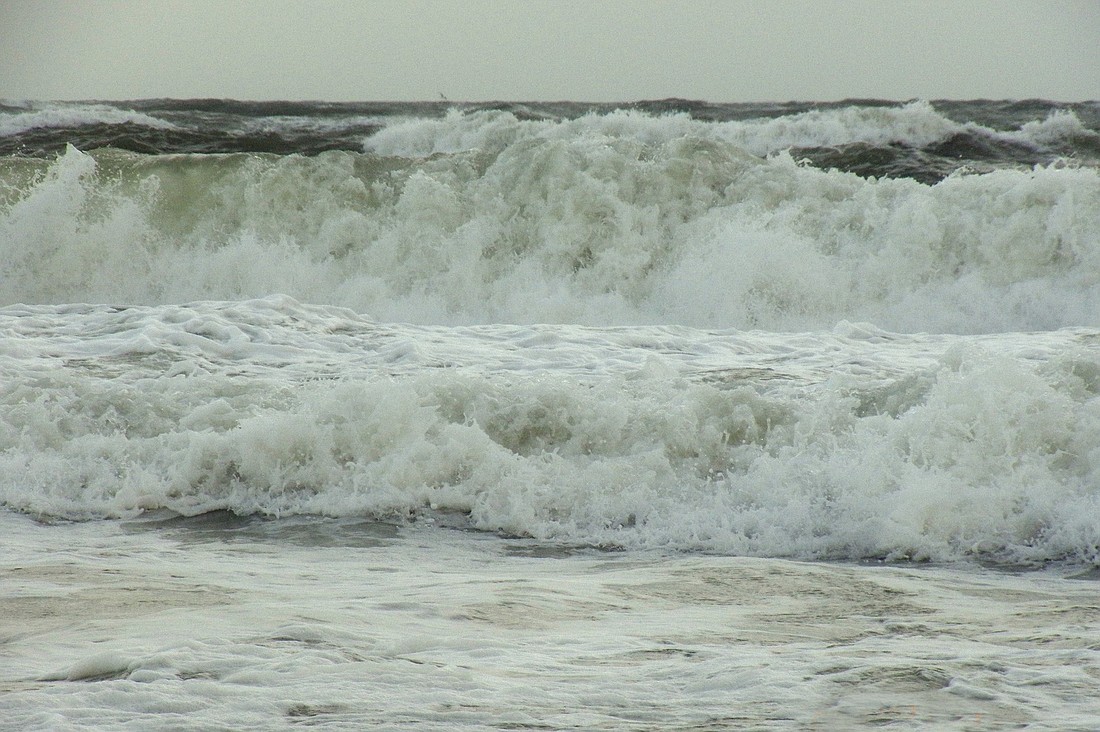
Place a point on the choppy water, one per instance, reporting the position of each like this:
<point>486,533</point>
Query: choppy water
<point>549,416</point>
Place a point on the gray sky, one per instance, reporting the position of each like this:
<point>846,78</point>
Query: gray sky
<point>585,50</point>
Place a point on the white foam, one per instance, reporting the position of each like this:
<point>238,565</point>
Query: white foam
<point>73,115</point>
<point>578,227</point>
<point>824,432</point>
<point>916,124</point>
<point>1060,127</point>
<point>812,445</point>
<point>323,624</point>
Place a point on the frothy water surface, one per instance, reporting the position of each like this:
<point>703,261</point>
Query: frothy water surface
<point>665,415</point>
<point>192,625</point>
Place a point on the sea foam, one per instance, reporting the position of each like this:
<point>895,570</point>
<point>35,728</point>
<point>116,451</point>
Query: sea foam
<point>854,444</point>
<point>587,226</point>
<point>620,329</point>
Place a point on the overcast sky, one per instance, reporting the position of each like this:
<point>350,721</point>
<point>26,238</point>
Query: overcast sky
<point>584,50</point>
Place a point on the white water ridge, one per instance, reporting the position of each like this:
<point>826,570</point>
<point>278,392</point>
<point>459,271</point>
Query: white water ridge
<point>855,443</point>
<point>619,220</point>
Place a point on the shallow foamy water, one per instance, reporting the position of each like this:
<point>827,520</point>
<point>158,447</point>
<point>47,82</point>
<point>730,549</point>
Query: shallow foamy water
<point>219,621</point>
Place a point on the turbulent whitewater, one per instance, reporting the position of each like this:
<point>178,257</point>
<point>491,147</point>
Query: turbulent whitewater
<point>622,328</point>
<point>665,415</point>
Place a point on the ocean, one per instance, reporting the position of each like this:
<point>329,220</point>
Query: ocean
<point>666,415</point>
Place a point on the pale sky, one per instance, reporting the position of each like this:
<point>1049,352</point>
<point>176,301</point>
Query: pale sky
<point>537,50</point>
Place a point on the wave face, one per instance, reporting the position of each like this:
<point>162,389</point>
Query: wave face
<point>615,219</point>
<point>782,330</point>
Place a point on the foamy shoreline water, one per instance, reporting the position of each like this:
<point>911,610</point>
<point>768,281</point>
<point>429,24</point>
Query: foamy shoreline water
<point>350,624</point>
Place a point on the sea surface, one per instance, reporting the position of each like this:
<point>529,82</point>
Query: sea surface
<point>666,415</point>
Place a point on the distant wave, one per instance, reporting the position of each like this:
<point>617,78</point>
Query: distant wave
<point>922,140</point>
